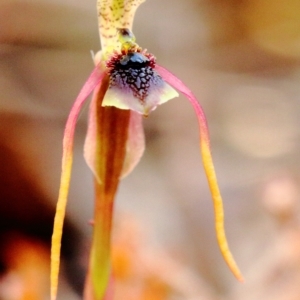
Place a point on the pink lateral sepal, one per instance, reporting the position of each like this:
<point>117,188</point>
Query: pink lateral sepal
<point>208,167</point>
<point>94,79</point>
<point>181,87</point>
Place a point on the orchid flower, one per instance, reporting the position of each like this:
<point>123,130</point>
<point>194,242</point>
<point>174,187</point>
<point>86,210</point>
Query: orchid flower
<point>127,85</point>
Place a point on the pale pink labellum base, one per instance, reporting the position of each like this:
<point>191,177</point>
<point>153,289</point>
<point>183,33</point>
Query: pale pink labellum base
<point>94,79</point>
<point>123,98</point>
<point>208,167</point>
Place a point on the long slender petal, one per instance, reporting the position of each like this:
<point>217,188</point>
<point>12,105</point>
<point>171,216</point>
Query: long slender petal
<point>209,168</point>
<point>94,80</point>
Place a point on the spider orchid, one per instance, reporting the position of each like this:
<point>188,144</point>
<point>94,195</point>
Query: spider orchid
<point>127,85</point>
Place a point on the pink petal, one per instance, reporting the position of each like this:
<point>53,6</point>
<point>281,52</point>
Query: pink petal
<point>90,144</point>
<point>135,144</point>
<point>209,168</point>
<point>94,79</point>
<point>134,147</point>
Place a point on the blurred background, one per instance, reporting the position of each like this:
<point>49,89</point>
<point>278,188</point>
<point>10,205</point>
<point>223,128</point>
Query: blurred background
<point>241,58</point>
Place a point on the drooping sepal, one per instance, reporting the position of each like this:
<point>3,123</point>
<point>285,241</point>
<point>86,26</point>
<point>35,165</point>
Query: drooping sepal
<point>68,140</point>
<point>208,167</point>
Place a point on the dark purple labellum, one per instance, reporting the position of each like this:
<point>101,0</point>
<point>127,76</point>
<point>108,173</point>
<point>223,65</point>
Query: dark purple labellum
<point>134,71</point>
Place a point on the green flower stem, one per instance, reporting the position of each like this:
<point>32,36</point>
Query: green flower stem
<point>112,131</point>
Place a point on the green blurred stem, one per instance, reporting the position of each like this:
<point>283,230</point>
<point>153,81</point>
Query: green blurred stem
<point>112,132</point>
